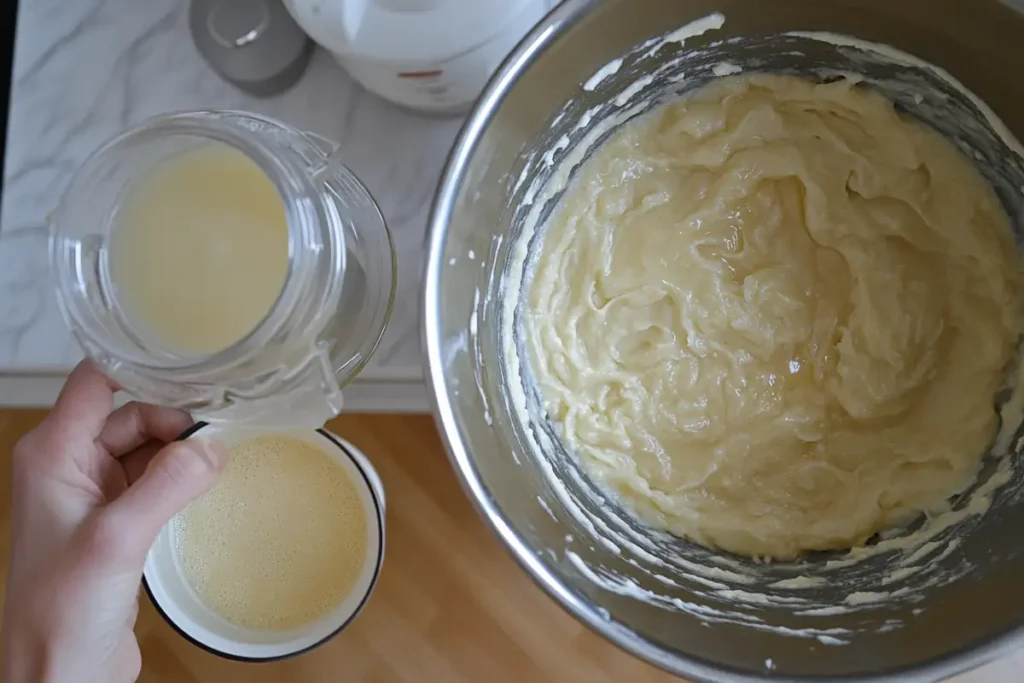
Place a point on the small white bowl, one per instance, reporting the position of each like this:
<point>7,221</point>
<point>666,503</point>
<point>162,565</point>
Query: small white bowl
<point>182,607</point>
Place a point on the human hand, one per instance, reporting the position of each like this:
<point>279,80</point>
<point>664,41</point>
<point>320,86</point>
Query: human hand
<point>92,487</point>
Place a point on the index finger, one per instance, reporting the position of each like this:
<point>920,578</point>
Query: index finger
<point>135,423</point>
<point>85,401</point>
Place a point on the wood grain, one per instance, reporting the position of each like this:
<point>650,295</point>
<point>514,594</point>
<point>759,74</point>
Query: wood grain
<point>451,605</point>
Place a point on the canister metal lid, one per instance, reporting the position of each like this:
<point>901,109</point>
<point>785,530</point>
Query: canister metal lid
<point>253,44</point>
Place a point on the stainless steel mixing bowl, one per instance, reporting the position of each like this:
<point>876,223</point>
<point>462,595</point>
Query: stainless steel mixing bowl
<point>648,592</point>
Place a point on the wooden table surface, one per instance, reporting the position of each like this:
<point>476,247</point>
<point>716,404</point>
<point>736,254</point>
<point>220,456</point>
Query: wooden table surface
<point>451,605</point>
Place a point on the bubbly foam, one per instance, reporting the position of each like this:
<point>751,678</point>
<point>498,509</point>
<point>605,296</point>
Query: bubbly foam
<point>279,541</point>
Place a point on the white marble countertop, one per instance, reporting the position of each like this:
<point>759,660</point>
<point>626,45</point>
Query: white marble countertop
<point>84,71</point>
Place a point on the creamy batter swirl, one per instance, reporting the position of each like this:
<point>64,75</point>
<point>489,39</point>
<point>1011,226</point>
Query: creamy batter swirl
<point>772,317</point>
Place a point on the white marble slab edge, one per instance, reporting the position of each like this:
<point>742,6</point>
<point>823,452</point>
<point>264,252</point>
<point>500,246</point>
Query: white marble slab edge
<point>39,389</point>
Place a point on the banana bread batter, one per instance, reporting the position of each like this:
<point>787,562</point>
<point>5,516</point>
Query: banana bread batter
<point>772,317</point>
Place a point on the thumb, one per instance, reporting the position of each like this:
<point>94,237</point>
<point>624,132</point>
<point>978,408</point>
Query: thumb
<point>178,474</point>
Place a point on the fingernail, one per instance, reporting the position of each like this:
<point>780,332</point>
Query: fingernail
<point>214,453</point>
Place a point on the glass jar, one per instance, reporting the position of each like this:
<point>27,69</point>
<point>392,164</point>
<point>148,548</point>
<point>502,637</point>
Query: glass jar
<point>327,320</point>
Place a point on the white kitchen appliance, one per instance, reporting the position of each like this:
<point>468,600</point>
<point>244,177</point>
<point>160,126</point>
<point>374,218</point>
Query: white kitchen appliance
<point>430,55</point>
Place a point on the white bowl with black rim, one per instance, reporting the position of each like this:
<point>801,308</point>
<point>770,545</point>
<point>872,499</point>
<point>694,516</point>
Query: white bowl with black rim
<point>182,607</point>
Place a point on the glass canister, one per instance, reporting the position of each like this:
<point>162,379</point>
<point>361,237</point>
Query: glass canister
<point>326,322</point>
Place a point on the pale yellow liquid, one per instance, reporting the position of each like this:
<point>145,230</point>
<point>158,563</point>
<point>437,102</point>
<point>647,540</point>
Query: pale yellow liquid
<point>279,541</point>
<point>199,250</point>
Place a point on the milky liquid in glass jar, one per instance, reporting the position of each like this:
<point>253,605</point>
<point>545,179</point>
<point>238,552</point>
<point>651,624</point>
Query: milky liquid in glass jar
<point>225,264</point>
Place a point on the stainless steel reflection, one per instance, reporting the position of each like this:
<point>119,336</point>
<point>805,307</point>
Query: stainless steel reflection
<point>537,97</point>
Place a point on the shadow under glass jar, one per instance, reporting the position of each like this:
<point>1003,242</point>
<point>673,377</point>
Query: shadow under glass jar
<point>326,322</point>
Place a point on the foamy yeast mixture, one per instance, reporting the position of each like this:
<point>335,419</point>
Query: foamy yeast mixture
<point>199,249</point>
<point>279,541</point>
<point>772,317</point>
